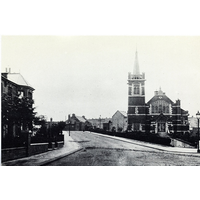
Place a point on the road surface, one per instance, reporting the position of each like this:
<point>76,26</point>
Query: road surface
<point>104,151</point>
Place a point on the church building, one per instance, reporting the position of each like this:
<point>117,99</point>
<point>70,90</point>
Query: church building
<point>159,115</point>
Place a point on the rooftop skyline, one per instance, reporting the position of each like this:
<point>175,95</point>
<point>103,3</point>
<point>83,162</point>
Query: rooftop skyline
<point>87,75</point>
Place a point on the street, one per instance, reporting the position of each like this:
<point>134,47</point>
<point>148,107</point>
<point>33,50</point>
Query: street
<point>104,151</point>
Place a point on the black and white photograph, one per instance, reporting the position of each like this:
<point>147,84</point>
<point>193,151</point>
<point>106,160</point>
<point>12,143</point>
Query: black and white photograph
<point>100,100</point>
<point>102,96</point>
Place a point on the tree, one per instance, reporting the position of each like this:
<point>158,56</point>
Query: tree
<point>17,115</point>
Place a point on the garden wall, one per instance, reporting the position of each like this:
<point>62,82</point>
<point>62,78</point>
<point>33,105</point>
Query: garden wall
<point>38,148</point>
<point>13,153</point>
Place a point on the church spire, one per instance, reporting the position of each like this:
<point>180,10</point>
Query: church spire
<point>136,70</point>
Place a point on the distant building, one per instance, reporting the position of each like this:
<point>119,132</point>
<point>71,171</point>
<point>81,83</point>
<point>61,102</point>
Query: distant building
<point>77,123</point>
<point>119,121</point>
<point>17,105</point>
<point>101,123</point>
<point>193,124</point>
<point>159,115</point>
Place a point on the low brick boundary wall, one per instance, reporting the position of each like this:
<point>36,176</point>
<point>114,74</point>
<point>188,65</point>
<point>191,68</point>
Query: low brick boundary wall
<point>21,152</point>
<point>13,153</point>
<point>60,144</point>
<point>179,143</point>
<point>38,148</point>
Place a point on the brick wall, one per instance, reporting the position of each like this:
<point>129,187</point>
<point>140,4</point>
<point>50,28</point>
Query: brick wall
<point>178,143</point>
<point>60,144</point>
<point>38,148</point>
<point>12,153</point>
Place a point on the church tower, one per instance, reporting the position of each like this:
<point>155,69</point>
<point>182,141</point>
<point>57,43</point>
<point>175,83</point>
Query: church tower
<point>136,98</point>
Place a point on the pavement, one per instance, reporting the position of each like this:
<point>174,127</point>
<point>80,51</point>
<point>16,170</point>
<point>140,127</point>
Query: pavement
<point>181,150</point>
<point>71,147</point>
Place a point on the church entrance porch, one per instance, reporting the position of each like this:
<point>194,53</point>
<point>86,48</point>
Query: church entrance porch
<point>160,125</point>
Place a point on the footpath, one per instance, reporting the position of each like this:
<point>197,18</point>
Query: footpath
<point>179,150</point>
<point>69,147</point>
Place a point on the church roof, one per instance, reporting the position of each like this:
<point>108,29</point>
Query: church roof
<point>160,95</point>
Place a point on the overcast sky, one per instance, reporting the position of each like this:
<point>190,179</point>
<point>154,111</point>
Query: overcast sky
<point>87,75</point>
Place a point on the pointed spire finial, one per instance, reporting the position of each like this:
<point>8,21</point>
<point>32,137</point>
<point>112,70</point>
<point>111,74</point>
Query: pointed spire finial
<point>136,70</point>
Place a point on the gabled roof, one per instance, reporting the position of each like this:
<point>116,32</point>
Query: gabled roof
<point>159,95</point>
<point>18,79</point>
<point>123,113</point>
<point>162,117</point>
<point>81,119</point>
<point>98,120</point>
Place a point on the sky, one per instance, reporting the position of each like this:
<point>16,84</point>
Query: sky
<point>87,75</point>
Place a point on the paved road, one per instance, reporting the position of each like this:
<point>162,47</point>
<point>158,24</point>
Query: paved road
<point>103,151</point>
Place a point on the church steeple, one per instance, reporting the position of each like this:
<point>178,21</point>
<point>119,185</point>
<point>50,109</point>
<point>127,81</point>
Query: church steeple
<point>136,97</point>
<point>136,69</point>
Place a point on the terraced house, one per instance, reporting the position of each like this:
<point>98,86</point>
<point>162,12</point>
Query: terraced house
<point>159,115</point>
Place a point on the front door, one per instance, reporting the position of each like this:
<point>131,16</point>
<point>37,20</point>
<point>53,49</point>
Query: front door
<point>161,127</point>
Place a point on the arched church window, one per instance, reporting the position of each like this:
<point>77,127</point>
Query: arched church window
<point>160,108</point>
<point>136,89</point>
<point>164,109</point>
<point>156,109</point>
<point>167,109</point>
<point>152,109</point>
<point>142,90</point>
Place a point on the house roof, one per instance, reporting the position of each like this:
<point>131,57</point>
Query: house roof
<point>123,113</point>
<point>97,120</point>
<point>18,79</point>
<point>81,119</point>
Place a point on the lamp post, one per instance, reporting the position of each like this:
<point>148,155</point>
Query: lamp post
<point>198,117</point>
<point>100,121</point>
<point>69,126</point>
